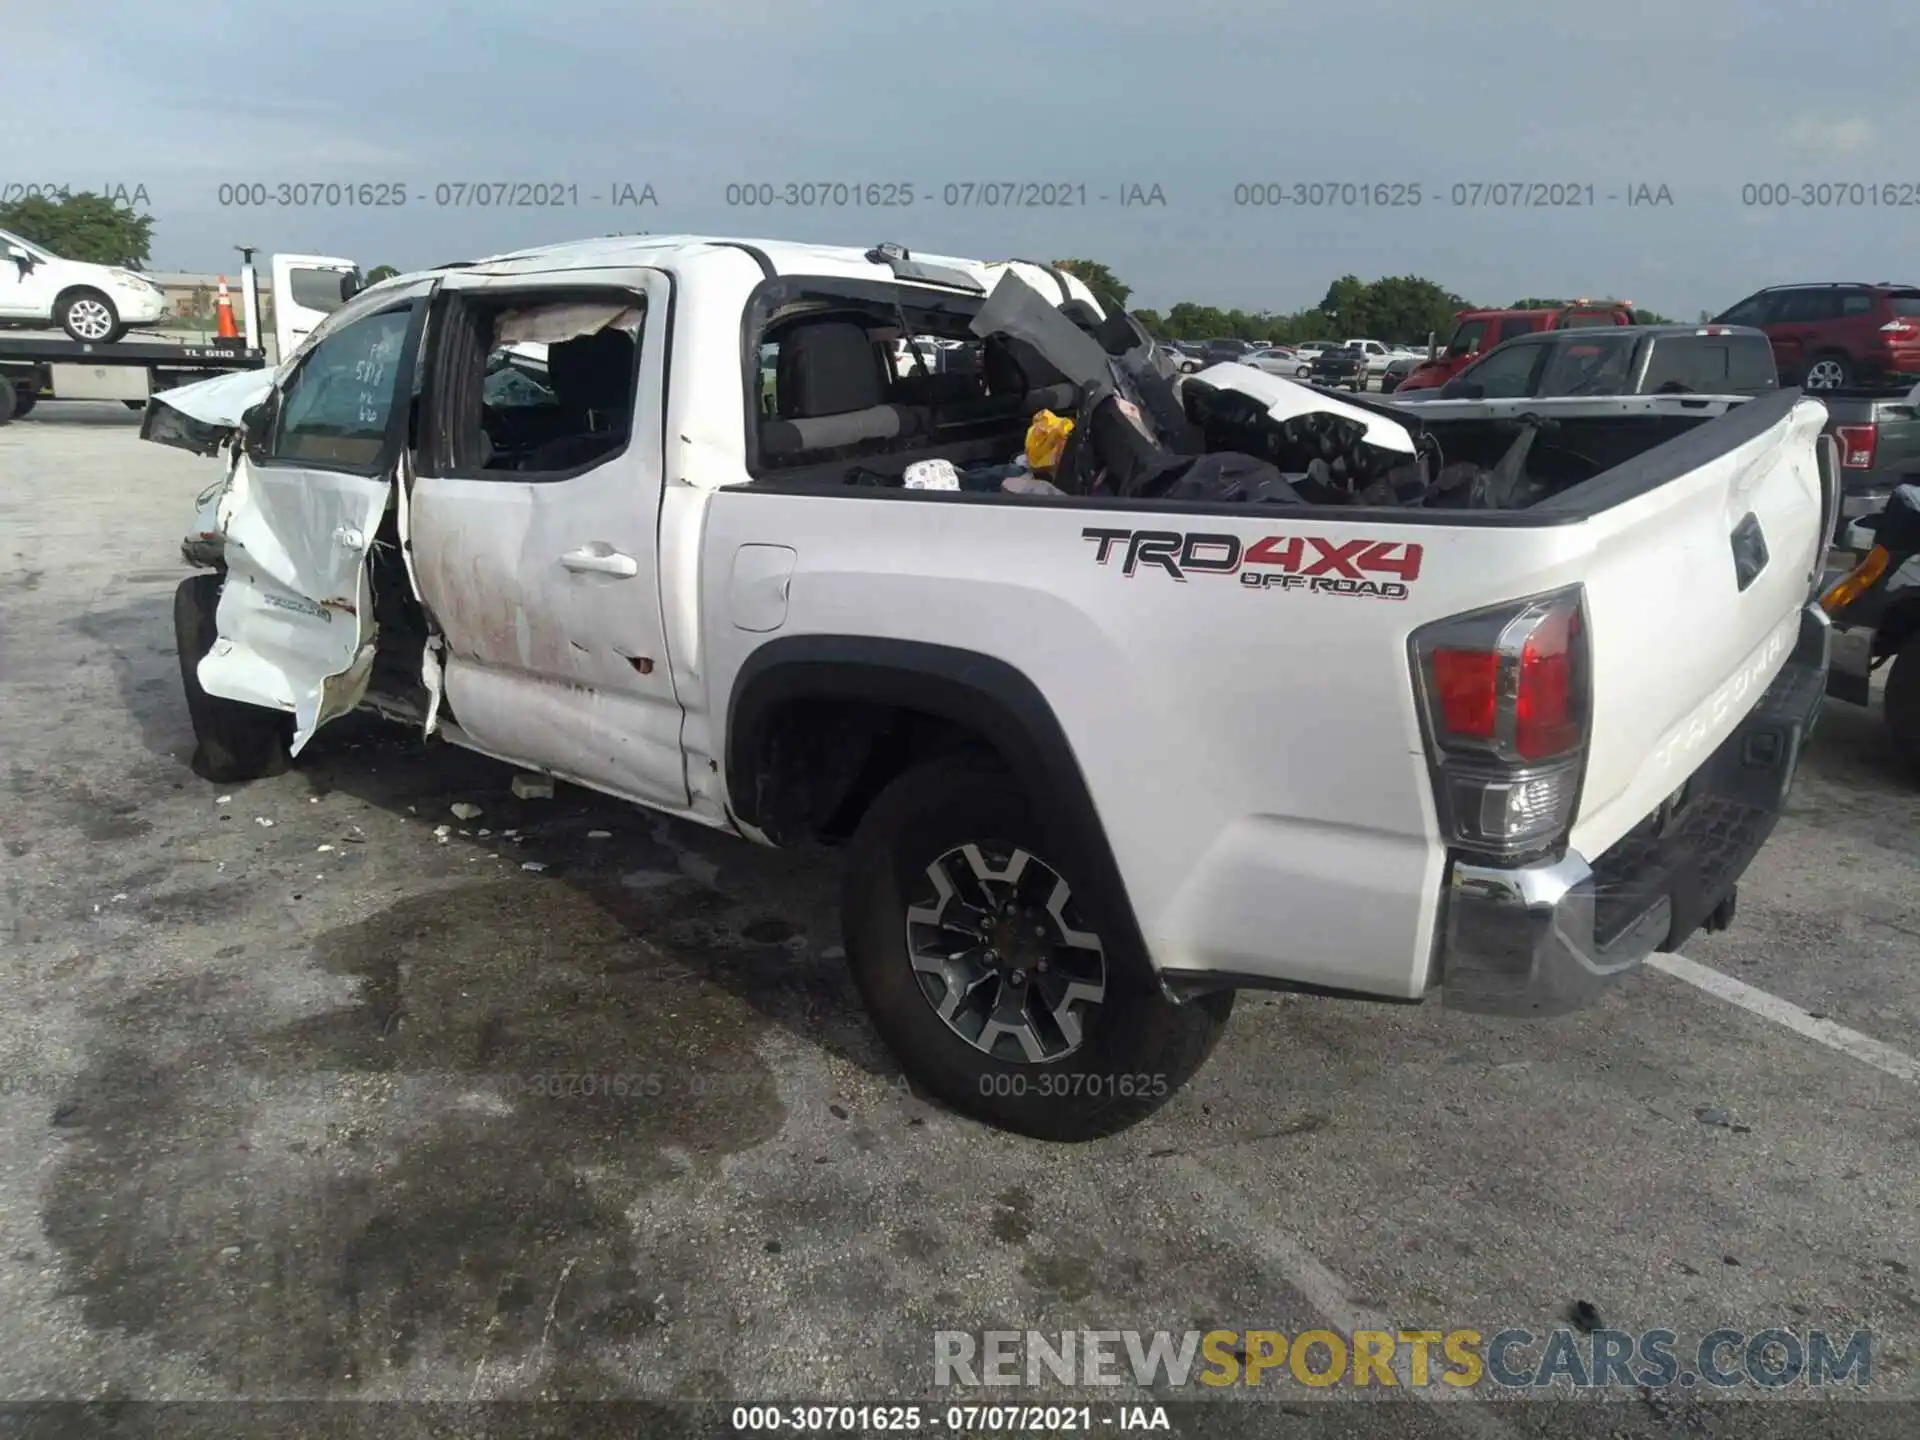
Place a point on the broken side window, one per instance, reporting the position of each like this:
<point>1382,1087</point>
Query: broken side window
<point>883,375</point>
<point>539,388</point>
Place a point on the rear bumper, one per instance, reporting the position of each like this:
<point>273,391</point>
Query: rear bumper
<point>1546,939</point>
<point>1868,499</point>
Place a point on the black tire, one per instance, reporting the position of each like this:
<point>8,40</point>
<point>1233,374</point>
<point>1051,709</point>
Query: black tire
<point>89,316</point>
<point>23,401</point>
<point>1138,1047</point>
<point>1829,370</point>
<point>233,741</point>
<point>1902,705</point>
<point>9,401</point>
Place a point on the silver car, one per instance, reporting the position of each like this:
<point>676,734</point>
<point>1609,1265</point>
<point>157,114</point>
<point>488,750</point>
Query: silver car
<point>1276,360</point>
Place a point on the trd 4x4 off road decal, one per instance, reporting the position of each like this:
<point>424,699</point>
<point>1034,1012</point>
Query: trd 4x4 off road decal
<point>1318,564</point>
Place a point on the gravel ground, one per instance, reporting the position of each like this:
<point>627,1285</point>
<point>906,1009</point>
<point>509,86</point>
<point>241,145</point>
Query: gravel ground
<point>286,1108</point>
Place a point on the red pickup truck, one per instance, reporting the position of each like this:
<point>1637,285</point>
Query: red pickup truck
<point>1475,331</point>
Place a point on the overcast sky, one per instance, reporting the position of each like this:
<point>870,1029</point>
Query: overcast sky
<point>1195,97</point>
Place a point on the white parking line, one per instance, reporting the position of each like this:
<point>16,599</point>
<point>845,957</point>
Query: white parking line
<point>1864,1048</point>
<point>1323,1290</point>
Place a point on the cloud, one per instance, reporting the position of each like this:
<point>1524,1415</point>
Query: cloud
<point>692,97</point>
<point>1819,137</point>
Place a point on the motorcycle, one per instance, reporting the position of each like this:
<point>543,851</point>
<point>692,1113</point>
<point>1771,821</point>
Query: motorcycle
<point>1875,611</point>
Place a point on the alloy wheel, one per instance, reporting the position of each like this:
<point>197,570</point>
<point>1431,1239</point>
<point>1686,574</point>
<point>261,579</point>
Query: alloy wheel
<point>1001,954</point>
<point>1825,375</point>
<point>90,319</point>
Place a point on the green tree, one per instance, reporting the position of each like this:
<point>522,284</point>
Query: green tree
<point>85,226</point>
<point>1187,321</point>
<point>381,272</point>
<point>1533,302</point>
<point>1105,285</point>
<point>1345,305</point>
<point>1408,308</point>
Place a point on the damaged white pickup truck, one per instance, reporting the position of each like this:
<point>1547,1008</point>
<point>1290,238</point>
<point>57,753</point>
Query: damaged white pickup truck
<point>1264,689</point>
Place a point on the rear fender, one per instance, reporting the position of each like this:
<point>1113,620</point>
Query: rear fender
<point>983,695</point>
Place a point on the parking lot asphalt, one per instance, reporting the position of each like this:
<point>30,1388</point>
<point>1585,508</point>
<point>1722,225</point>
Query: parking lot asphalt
<point>300,1099</point>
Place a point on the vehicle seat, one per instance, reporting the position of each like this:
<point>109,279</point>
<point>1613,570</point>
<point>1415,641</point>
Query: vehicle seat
<point>832,386</point>
<point>592,376</point>
<point>1013,368</point>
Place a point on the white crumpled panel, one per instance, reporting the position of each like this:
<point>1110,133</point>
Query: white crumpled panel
<point>221,400</point>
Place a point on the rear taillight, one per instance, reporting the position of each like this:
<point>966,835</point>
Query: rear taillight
<point>1857,444</point>
<point>1506,704</point>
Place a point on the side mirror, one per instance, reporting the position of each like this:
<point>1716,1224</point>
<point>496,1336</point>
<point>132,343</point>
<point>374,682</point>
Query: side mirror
<point>351,284</point>
<point>22,257</point>
<point>255,423</point>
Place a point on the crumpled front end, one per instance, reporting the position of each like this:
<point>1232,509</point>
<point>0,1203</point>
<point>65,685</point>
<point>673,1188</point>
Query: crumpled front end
<point>205,416</point>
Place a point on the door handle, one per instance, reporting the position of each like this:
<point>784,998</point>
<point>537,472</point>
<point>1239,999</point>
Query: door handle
<point>600,562</point>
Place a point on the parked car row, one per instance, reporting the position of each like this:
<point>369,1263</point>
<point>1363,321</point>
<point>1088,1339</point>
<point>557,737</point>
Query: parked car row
<point>1876,437</point>
<point>1828,336</point>
<point>1839,335</point>
<point>1623,360</point>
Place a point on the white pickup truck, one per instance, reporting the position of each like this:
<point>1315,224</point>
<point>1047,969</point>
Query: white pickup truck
<point>1270,690</point>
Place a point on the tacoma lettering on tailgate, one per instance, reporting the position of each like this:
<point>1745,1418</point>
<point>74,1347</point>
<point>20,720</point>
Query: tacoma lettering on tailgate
<point>1317,564</point>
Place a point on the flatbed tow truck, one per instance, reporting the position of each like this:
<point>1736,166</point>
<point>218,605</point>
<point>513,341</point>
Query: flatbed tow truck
<point>52,367</point>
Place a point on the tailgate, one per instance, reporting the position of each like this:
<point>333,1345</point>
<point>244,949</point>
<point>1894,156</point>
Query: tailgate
<point>1706,552</point>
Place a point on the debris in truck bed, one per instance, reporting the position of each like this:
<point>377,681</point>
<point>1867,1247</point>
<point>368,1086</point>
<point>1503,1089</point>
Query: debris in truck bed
<point>931,475</point>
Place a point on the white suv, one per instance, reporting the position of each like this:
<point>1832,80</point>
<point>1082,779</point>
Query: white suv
<point>90,302</point>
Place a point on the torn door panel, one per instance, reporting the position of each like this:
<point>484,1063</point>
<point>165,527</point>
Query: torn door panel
<point>296,612</point>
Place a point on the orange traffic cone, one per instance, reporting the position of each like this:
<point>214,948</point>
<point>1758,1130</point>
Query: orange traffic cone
<point>223,314</point>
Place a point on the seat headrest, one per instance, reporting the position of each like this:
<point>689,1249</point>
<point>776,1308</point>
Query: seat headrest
<point>1013,366</point>
<point>593,371</point>
<point>829,368</point>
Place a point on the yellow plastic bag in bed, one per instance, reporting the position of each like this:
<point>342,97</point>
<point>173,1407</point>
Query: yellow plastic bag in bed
<point>1046,438</point>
